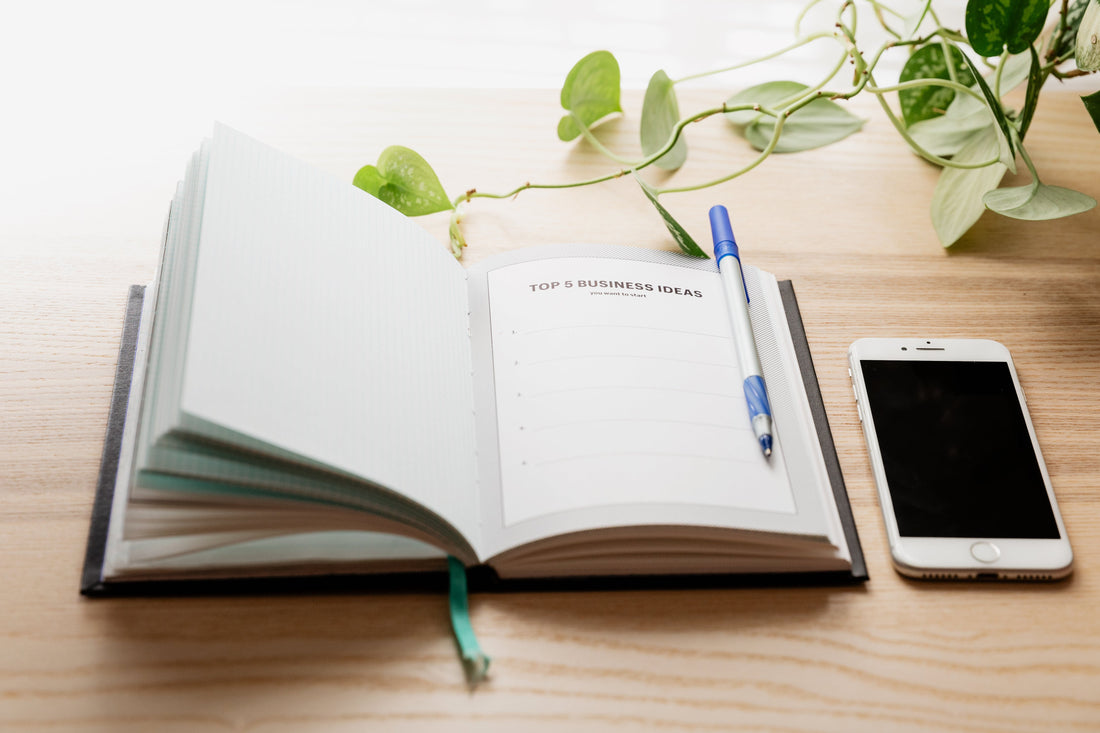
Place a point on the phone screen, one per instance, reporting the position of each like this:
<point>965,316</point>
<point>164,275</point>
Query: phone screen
<point>958,457</point>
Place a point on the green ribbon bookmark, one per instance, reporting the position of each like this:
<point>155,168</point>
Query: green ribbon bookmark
<point>474,661</point>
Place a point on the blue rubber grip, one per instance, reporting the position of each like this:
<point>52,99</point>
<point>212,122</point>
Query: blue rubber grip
<point>756,396</point>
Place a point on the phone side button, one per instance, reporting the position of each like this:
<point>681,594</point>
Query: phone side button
<point>859,411</point>
<point>985,551</point>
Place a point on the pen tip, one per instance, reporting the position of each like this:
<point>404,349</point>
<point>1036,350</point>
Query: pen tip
<point>766,445</point>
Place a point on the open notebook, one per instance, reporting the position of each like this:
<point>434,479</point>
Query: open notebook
<point>314,388</point>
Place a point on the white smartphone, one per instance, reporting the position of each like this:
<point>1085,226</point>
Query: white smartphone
<point>962,484</point>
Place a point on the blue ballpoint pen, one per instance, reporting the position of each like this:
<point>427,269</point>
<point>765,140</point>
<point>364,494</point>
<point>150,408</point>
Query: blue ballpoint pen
<point>729,267</point>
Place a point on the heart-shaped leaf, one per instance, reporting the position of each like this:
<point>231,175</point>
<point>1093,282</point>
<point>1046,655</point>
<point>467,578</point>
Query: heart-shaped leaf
<point>405,181</point>
<point>591,93</point>
<point>929,62</point>
<point>679,234</point>
<point>1037,202</point>
<point>819,123</point>
<point>1088,39</point>
<point>660,113</point>
<point>369,179</point>
<point>994,24</point>
<point>957,201</point>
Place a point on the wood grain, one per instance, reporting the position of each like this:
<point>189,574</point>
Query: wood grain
<point>848,224</point>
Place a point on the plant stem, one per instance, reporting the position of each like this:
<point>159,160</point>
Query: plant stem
<point>759,159</point>
<point>927,82</point>
<point>863,71</point>
<point>1025,156</point>
<point>948,61</point>
<point>930,157</point>
<point>802,16</point>
<point>840,20</point>
<point>932,14</point>
<point>845,34</point>
<point>997,77</point>
<point>766,57</point>
<point>474,193</point>
<point>878,7</point>
<point>869,82</point>
<point>586,132</point>
<point>781,115</point>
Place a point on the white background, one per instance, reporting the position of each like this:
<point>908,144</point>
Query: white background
<point>103,102</point>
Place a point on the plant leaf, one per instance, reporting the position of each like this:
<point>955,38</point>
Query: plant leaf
<point>770,94</point>
<point>660,113</point>
<point>1037,202</point>
<point>1092,104</point>
<point>947,134</point>
<point>683,239</point>
<point>819,123</point>
<point>993,24</point>
<point>1088,39</point>
<point>957,201</point>
<point>405,181</point>
<point>369,179</point>
<point>998,115</point>
<point>1015,70</point>
<point>929,62</point>
<point>1034,84</point>
<point>591,93</point>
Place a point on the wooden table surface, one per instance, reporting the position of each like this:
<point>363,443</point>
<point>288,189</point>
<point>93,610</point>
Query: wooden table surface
<point>848,224</point>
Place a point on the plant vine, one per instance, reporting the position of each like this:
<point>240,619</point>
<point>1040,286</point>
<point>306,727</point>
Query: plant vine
<point>949,112</point>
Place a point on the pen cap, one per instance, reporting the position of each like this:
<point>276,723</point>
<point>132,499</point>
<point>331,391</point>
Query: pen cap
<point>722,233</point>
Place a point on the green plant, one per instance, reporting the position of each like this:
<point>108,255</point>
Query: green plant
<point>949,113</point>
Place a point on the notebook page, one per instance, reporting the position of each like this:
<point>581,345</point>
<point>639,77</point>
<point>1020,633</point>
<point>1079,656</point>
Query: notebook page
<point>327,325</point>
<point>618,401</point>
<point>616,380</point>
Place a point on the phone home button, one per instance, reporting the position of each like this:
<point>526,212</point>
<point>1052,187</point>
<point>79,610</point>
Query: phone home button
<point>985,551</point>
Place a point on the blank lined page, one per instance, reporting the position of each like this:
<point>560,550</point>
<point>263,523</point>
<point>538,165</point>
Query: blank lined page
<point>617,384</point>
<point>329,325</point>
